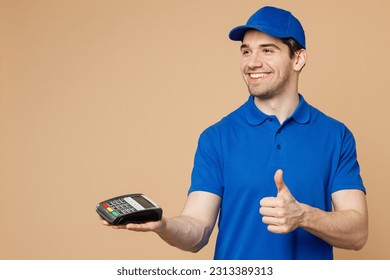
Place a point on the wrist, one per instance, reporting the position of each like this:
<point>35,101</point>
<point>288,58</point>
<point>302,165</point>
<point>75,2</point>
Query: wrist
<point>161,226</point>
<point>305,216</point>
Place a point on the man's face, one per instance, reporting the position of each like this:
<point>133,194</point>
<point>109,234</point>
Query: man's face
<point>266,66</point>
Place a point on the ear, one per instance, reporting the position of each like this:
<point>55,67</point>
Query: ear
<point>300,60</point>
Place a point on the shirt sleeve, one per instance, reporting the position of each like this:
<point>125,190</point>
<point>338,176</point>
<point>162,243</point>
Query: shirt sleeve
<point>207,170</point>
<point>348,171</point>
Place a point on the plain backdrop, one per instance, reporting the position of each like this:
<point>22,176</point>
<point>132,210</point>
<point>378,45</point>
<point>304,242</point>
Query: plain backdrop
<point>100,98</point>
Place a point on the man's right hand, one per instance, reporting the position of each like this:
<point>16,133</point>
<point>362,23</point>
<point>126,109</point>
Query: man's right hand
<point>156,226</point>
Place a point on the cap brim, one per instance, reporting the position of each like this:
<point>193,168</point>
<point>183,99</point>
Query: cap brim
<point>237,33</point>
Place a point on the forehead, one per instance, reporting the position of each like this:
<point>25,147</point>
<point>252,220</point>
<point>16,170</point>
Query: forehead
<point>255,37</point>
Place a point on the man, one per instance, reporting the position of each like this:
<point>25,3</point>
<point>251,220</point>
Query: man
<point>275,151</point>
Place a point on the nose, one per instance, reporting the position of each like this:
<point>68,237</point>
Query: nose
<point>255,60</point>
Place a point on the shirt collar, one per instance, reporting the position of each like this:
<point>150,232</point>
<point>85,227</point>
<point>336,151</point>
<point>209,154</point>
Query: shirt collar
<point>253,115</point>
<point>302,112</point>
<point>256,117</point>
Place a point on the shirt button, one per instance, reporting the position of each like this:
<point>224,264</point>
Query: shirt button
<point>278,147</point>
<point>270,119</point>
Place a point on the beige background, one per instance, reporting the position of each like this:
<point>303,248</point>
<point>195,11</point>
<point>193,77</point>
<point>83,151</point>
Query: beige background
<point>100,98</point>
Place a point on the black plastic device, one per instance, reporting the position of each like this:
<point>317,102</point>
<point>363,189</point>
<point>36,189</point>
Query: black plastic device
<point>129,208</point>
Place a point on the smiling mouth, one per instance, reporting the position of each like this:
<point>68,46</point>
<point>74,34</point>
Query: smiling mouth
<point>258,75</point>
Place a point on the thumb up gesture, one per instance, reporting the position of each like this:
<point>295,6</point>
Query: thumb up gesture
<point>282,213</point>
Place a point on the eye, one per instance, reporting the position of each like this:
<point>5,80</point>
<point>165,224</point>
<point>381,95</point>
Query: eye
<point>245,52</point>
<point>268,50</point>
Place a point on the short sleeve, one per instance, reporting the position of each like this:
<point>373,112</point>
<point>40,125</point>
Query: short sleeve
<point>348,171</point>
<point>207,170</point>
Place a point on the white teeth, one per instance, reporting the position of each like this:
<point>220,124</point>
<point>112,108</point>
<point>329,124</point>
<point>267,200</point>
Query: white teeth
<point>257,75</point>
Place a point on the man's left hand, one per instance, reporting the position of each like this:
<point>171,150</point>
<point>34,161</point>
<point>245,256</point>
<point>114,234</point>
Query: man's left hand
<point>282,213</point>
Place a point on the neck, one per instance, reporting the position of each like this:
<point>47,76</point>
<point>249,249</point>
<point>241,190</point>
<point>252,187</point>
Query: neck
<point>281,106</point>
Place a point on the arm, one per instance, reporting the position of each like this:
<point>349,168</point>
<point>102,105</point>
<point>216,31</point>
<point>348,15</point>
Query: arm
<point>346,227</point>
<point>191,230</point>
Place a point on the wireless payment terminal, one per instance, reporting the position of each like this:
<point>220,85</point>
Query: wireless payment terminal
<point>130,208</point>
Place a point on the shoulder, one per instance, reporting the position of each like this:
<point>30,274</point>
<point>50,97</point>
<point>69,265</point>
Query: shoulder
<point>229,122</point>
<point>334,132</point>
<point>327,123</point>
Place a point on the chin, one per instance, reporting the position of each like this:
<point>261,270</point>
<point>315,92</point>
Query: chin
<point>262,95</point>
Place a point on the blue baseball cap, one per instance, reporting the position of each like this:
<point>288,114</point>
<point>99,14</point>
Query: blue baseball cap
<point>272,21</point>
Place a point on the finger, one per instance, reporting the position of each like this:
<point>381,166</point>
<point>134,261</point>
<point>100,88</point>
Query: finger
<point>279,182</point>
<point>137,227</point>
<point>269,202</point>
<point>275,225</point>
<point>277,229</point>
<point>270,221</point>
<point>149,226</point>
<point>105,223</point>
<point>119,227</point>
<point>268,211</point>
<point>272,212</point>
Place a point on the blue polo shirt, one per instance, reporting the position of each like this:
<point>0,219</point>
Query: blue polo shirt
<point>237,158</point>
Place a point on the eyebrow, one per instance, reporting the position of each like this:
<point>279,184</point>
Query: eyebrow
<point>243,46</point>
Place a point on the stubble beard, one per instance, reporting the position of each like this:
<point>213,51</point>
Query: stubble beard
<point>267,91</point>
<point>264,94</point>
